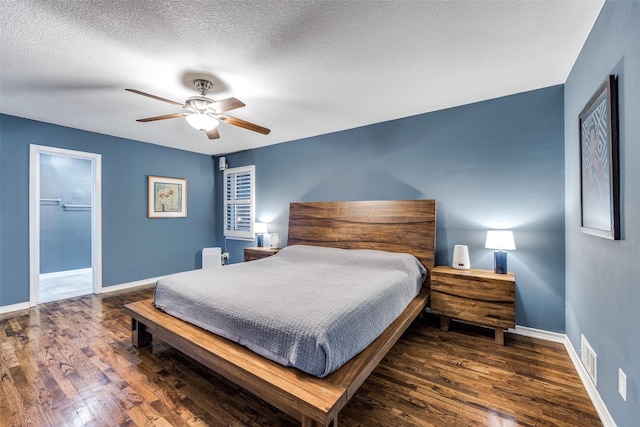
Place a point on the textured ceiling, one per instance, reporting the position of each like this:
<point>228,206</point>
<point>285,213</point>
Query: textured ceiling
<point>302,68</point>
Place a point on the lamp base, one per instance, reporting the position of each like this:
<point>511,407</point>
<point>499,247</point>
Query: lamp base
<point>260,240</point>
<point>500,262</point>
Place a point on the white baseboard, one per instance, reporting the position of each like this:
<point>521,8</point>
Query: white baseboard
<point>591,389</point>
<point>14,307</point>
<point>539,333</point>
<point>129,285</point>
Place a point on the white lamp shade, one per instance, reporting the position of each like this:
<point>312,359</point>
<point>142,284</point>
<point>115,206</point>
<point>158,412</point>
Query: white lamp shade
<point>202,122</point>
<point>500,239</point>
<point>260,227</point>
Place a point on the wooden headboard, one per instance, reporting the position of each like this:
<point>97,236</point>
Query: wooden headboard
<point>407,226</point>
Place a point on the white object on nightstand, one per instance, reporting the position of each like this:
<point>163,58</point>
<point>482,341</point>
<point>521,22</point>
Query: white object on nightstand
<point>274,241</point>
<point>461,257</point>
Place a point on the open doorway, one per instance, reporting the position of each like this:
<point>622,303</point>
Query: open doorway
<point>64,224</point>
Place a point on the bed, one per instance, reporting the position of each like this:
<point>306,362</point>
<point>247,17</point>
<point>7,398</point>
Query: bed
<point>406,226</point>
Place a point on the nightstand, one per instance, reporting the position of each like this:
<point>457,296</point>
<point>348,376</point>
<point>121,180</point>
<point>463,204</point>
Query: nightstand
<point>254,253</point>
<point>476,296</point>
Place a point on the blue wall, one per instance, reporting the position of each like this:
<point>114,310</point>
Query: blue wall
<point>1,211</point>
<point>65,234</point>
<point>603,290</point>
<point>497,163</point>
<point>134,246</point>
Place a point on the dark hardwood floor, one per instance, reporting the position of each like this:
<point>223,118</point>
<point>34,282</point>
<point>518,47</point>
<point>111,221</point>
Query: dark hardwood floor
<point>70,363</point>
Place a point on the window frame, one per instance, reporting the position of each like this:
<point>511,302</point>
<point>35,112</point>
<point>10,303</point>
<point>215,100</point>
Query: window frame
<point>232,231</point>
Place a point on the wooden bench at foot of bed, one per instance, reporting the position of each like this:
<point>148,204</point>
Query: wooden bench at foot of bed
<point>314,401</point>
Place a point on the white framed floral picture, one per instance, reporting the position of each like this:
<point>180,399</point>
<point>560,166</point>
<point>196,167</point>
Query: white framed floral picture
<point>167,197</point>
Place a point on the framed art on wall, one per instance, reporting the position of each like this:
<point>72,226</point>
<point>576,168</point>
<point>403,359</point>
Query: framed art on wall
<point>599,163</point>
<point>167,197</point>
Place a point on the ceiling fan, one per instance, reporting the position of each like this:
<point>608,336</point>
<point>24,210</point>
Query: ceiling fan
<point>205,114</point>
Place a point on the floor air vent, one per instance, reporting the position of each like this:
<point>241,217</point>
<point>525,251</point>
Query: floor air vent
<point>589,359</point>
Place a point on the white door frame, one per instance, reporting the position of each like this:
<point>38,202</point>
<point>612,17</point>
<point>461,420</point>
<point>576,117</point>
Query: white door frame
<point>34,215</point>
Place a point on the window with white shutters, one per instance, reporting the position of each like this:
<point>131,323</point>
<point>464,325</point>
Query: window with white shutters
<point>239,202</point>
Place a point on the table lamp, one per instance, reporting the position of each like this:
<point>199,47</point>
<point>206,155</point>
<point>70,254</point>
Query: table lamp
<point>260,228</point>
<point>501,240</point>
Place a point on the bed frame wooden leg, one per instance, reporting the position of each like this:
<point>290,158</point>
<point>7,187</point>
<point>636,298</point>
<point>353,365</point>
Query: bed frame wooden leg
<point>445,323</point>
<point>140,337</point>
<point>309,422</point>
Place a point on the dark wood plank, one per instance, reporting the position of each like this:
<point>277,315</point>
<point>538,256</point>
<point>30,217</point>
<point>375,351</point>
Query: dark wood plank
<point>77,359</point>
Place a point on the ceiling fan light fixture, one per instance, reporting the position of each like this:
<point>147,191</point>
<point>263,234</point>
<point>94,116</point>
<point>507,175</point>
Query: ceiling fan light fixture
<point>202,122</point>
<point>204,114</point>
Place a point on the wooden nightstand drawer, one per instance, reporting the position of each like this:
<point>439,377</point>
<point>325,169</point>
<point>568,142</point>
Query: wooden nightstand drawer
<point>481,312</point>
<point>476,296</point>
<point>254,253</point>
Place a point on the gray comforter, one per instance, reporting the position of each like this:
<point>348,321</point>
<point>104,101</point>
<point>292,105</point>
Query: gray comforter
<point>309,307</point>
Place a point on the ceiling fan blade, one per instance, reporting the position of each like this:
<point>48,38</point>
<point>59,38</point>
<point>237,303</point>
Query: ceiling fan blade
<point>243,124</point>
<point>168,116</point>
<point>156,97</point>
<point>213,133</point>
<point>227,104</point>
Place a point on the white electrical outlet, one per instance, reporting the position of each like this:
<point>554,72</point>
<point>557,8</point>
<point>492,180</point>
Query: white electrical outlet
<point>622,384</point>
